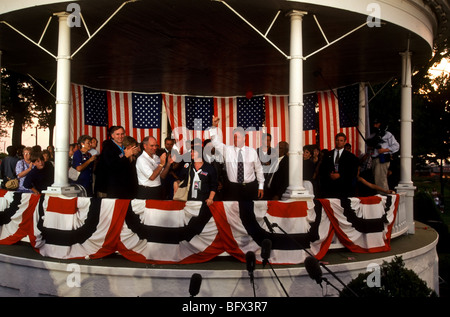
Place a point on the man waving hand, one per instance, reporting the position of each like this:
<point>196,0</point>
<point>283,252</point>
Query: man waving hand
<point>244,169</point>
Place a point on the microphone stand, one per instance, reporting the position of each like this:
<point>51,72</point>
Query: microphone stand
<point>252,281</point>
<point>275,225</point>
<point>279,281</point>
<point>250,269</point>
<point>328,283</point>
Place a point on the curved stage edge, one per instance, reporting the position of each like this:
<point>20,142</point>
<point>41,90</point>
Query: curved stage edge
<point>24,272</point>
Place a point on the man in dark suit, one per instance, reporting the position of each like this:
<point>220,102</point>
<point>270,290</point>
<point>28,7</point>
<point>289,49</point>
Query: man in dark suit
<point>277,179</point>
<point>167,182</point>
<point>338,171</point>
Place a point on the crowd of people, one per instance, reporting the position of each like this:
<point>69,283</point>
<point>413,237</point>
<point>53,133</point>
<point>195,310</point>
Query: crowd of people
<point>32,167</point>
<point>208,170</point>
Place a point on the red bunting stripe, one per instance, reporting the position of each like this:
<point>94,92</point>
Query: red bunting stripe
<point>21,207</point>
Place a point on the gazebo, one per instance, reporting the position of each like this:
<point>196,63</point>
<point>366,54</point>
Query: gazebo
<point>224,47</point>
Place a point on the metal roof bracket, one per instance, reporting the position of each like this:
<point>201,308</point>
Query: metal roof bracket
<point>257,31</point>
<point>38,44</point>
<point>99,28</point>
<point>336,40</point>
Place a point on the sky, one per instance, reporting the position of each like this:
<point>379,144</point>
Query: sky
<point>442,68</point>
<point>28,138</point>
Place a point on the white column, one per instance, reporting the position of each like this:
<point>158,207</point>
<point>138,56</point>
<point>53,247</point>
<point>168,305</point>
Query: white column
<point>362,120</point>
<point>61,184</point>
<point>1,180</point>
<point>296,189</point>
<point>406,184</point>
<point>163,125</point>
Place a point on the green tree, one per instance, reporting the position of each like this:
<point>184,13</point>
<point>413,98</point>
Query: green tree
<point>431,115</point>
<point>44,101</point>
<point>22,101</point>
<point>395,281</point>
<point>17,99</point>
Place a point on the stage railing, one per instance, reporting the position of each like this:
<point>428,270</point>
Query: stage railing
<point>400,226</point>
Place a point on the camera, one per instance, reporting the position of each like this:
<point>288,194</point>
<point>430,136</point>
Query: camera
<point>375,141</point>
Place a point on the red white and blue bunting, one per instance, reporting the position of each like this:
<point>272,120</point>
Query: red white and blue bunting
<point>16,212</point>
<point>363,224</point>
<point>158,232</point>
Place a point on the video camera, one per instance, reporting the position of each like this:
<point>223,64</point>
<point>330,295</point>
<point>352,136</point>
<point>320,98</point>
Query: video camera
<point>376,140</point>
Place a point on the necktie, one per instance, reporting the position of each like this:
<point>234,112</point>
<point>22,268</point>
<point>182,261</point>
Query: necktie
<point>336,161</point>
<point>240,171</point>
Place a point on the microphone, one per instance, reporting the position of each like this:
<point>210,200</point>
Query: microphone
<point>251,261</point>
<point>194,286</point>
<point>313,268</point>
<point>268,224</point>
<point>315,272</point>
<point>266,247</point>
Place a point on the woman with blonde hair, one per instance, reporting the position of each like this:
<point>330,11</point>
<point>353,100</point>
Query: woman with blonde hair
<point>23,167</point>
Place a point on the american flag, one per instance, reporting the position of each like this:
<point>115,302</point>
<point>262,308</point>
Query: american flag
<point>94,110</point>
<point>225,108</point>
<point>184,111</point>
<point>188,117</point>
<point>140,115</point>
<point>88,114</point>
<point>199,112</point>
<point>251,116</point>
<point>250,112</point>
<point>309,118</point>
<point>338,112</point>
<point>277,117</point>
<point>257,115</point>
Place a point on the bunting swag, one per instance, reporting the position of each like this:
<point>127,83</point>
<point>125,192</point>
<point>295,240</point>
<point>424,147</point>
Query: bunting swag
<point>81,227</point>
<point>243,229</point>
<point>169,232</point>
<point>163,232</point>
<point>363,224</point>
<point>16,212</point>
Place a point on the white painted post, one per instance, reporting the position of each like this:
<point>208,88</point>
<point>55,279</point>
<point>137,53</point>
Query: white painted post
<point>61,185</point>
<point>296,189</point>
<point>163,125</point>
<point>362,122</point>
<point>405,183</point>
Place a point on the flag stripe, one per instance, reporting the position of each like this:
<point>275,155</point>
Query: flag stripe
<point>225,108</point>
<point>284,120</point>
<point>332,112</point>
<point>328,120</point>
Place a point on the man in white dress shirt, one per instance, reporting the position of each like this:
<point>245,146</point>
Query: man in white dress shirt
<point>243,167</point>
<point>150,169</point>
